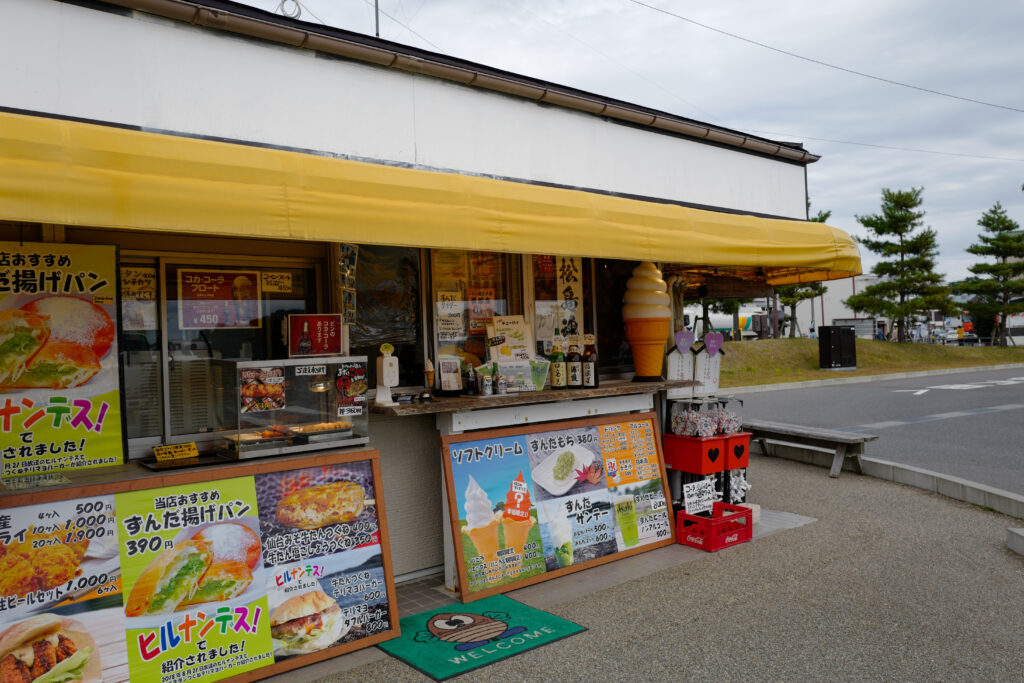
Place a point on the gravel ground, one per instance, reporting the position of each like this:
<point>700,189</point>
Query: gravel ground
<point>891,583</point>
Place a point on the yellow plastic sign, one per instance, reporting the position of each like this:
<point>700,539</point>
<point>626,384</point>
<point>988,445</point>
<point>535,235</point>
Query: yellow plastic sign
<point>176,451</point>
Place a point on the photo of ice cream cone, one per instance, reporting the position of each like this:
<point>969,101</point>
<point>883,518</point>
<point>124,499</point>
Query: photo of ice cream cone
<point>485,539</point>
<point>516,533</point>
<point>648,320</point>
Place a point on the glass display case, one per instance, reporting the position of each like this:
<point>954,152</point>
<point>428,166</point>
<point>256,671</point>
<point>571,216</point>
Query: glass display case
<point>300,404</point>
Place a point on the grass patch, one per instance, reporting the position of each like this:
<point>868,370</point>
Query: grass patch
<point>771,361</point>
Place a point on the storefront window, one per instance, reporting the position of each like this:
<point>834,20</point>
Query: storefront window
<point>388,309</point>
<point>140,349</point>
<point>614,355</point>
<point>219,314</point>
<point>469,288</point>
<point>562,300</point>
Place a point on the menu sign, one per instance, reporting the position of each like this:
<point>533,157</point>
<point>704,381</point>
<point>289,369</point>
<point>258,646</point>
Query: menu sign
<point>261,389</point>
<point>211,299</point>
<point>60,400</point>
<point>198,582</point>
<point>138,299</point>
<point>314,335</point>
<point>525,503</point>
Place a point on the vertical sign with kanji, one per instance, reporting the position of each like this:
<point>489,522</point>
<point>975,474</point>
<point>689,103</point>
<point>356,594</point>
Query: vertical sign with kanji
<point>570,296</point>
<point>60,401</point>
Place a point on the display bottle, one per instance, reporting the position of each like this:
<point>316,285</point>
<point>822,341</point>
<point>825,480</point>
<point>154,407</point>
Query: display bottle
<point>558,378</point>
<point>590,380</point>
<point>574,367</point>
<point>305,342</point>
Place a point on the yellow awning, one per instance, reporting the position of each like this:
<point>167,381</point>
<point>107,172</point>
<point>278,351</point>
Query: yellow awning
<point>71,173</point>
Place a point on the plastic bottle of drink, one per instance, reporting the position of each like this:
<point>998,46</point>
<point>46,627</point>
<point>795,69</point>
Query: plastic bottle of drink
<point>590,380</point>
<point>574,367</point>
<point>558,370</point>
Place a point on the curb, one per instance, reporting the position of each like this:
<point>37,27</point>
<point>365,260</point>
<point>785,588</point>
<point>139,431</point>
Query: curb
<point>862,379</point>
<point>1015,539</point>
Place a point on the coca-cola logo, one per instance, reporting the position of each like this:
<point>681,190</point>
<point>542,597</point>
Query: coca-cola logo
<point>695,539</point>
<point>730,539</point>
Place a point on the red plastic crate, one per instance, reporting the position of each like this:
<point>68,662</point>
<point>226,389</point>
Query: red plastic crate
<point>728,526</point>
<point>695,454</point>
<point>737,451</point>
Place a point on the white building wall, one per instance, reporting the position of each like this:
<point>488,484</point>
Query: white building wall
<point>163,75</point>
<point>830,306</point>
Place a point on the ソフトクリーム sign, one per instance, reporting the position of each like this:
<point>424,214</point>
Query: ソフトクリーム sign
<point>60,401</point>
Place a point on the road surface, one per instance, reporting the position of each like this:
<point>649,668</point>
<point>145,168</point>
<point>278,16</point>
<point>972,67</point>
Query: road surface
<point>968,425</point>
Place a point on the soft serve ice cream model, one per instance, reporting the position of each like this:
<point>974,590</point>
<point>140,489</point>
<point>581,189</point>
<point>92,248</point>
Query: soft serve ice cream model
<point>648,320</point>
<point>516,523</point>
<point>482,529</point>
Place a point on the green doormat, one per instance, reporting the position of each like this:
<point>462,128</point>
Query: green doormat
<point>457,638</point>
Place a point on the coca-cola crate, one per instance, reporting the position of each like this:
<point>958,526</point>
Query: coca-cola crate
<point>737,451</point>
<point>728,525</point>
<point>695,454</point>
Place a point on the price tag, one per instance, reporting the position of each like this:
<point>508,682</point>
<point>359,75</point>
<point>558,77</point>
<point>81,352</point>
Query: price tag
<point>176,451</point>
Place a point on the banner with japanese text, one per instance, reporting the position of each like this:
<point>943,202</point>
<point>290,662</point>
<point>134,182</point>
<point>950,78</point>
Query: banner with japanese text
<point>60,401</point>
<point>192,573</point>
<point>526,501</point>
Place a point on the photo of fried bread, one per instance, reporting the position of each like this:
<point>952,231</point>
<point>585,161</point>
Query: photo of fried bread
<point>170,580</point>
<point>26,569</point>
<point>22,334</point>
<point>58,365</point>
<point>358,386</point>
<point>48,649</point>
<point>75,321</point>
<point>313,507</point>
<point>215,563</point>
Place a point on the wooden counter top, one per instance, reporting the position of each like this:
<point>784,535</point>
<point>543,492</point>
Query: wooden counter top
<point>442,404</point>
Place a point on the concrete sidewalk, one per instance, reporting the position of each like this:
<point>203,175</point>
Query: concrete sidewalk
<point>888,583</point>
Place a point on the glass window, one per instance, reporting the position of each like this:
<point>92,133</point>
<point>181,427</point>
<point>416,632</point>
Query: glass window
<point>225,313</point>
<point>614,355</point>
<point>388,310</point>
<point>140,350</point>
<point>469,288</point>
<point>562,300</point>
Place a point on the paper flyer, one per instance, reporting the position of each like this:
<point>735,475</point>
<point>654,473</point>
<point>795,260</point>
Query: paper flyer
<point>194,586</point>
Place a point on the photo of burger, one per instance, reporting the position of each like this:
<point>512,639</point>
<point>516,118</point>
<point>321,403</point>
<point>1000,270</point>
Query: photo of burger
<point>47,648</point>
<point>170,580</point>
<point>22,334</point>
<point>306,623</point>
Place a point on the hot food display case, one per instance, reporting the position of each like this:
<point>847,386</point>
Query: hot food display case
<point>287,406</point>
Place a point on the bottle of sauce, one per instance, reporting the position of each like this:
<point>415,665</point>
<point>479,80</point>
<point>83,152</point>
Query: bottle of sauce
<point>558,370</point>
<point>574,367</point>
<point>590,380</point>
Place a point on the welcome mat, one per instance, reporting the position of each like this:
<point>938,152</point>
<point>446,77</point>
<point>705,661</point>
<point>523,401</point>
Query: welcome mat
<point>457,638</point>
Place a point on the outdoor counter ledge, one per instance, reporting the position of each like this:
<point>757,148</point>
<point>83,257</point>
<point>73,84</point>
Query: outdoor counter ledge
<point>441,404</point>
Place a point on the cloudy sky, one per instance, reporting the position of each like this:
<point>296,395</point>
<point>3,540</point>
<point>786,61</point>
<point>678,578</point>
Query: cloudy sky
<point>870,134</point>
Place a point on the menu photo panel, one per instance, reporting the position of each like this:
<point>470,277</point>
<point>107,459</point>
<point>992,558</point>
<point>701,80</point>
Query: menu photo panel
<point>531,503</point>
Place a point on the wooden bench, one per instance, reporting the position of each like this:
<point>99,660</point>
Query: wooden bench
<point>842,444</point>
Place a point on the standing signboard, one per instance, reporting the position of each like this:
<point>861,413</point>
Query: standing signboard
<point>60,399</point>
<point>531,503</point>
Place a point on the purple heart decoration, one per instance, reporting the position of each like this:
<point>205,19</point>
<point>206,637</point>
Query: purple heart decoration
<point>684,340</point>
<point>713,341</point>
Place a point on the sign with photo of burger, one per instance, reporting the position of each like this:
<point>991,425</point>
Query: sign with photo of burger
<point>60,403</point>
<point>47,648</point>
<point>191,563</point>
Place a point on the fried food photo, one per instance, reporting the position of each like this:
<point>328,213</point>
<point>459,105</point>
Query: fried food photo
<point>313,507</point>
<point>22,334</point>
<point>49,649</point>
<point>24,569</point>
<point>306,623</point>
<point>170,580</point>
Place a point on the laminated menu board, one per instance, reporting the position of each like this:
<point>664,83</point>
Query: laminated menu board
<point>202,581</point>
<point>60,398</point>
<point>531,503</point>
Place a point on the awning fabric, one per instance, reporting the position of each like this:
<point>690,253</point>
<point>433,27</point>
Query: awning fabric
<point>72,173</point>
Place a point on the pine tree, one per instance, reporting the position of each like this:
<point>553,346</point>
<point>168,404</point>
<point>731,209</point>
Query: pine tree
<point>909,284</point>
<point>996,282</point>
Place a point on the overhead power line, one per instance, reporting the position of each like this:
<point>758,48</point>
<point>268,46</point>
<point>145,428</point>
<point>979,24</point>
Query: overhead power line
<point>825,64</point>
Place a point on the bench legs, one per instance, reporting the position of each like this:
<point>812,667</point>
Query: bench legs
<point>837,461</point>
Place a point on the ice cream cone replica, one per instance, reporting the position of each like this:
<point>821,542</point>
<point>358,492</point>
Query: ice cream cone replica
<point>482,529</point>
<point>648,321</point>
<point>516,523</point>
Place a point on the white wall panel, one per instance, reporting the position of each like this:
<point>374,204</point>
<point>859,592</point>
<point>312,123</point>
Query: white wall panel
<point>158,74</point>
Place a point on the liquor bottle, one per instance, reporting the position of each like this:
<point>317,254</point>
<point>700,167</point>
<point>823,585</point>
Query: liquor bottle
<point>574,367</point>
<point>590,380</point>
<point>558,378</point>
<point>305,343</point>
